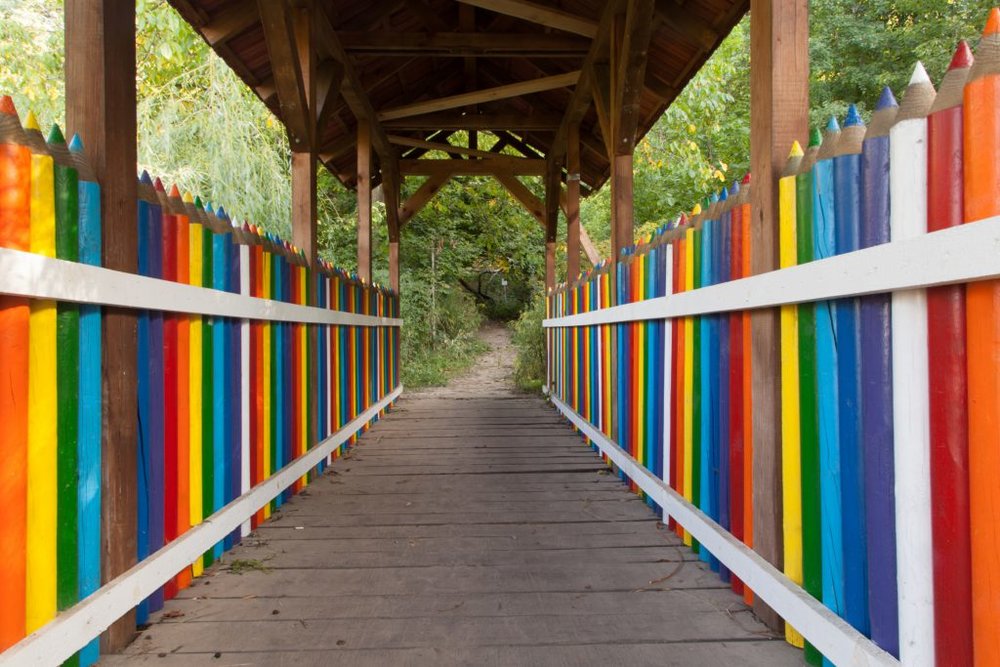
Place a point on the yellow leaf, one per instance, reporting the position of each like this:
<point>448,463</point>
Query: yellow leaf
<point>691,128</point>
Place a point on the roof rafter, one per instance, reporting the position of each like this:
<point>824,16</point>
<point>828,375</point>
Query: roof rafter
<point>421,197</point>
<point>638,30</point>
<point>481,96</point>
<point>432,146</point>
<point>577,106</point>
<point>685,25</point>
<point>230,22</point>
<point>540,14</point>
<point>352,88</point>
<point>482,121</point>
<point>279,35</point>
<point>463,44</point>
<point>493,165</point>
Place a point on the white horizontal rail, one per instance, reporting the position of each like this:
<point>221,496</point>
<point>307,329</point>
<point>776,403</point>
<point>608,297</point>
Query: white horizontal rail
<point>830,634</point>
<point>956,255</point>
<point>73,629</point>
<point>36,276</point>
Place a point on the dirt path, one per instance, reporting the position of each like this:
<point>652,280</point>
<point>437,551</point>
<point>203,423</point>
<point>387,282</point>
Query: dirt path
<point>492,375</point>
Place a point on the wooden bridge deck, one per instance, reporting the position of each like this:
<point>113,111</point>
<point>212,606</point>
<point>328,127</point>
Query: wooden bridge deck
<point>461,532</point>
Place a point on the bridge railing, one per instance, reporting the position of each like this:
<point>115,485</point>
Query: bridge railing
<point>254,370</point>
<point>887,371</point>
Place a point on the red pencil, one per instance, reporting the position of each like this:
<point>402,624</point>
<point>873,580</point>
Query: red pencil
<point>170,425</point>
<point>745,216</point>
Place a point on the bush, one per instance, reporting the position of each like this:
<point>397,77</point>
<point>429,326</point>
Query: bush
<point>439,342</point>
<point>529,340</point>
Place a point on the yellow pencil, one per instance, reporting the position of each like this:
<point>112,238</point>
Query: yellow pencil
<point>40,600</point>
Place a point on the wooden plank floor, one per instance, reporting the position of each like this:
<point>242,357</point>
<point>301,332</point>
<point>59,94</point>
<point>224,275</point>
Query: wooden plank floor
<point>461,532</point>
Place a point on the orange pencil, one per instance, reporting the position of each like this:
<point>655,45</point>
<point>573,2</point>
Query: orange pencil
<point>15,232</point>
<point>981,117</point>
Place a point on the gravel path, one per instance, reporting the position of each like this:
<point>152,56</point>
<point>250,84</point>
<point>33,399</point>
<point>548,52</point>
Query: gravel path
<point>492,375</point>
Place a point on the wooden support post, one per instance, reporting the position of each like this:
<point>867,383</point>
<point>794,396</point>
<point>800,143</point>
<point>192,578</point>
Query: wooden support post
<point>622,210</point>
<point>364,200</point>
<point>630,36</point>
<point>552,188</point>
<point>391,191</point>
<point>304,152</point>
<point>304,203</point>
<point>100,106</point>
<point>779,110</point>
<point>573,203</point>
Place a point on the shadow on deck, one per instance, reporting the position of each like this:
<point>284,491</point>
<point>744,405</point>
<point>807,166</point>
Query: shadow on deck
<point>475,532</point>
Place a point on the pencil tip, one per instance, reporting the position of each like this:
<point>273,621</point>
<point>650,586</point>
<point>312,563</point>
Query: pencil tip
<point>31,121</point>
<point>886,99</point>
<point>76,144</point>
<point>919,75</point>
<point>853,118</point>
<point>7,106</point>
<point>963,56</point>
<point>56,135</point>
<point>992,23</point>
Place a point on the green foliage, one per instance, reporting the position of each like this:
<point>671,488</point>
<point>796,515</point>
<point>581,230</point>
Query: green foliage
<point>529,340</point>
<point>857,48</point>
<point>33,76</point>
<point>699,145</point>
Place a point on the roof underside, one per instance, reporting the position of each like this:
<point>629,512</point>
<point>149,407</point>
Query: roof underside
<point>408,51</point>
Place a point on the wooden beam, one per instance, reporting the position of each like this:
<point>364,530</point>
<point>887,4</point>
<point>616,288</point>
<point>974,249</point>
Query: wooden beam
<point>553,185</point>
<point>682,23</point>
<point>586,245</point>
<point>518,191</point>
<point>495,165</point>
<point>573,204</point>
<point>230,22</point>
<point>329,76</point>
<point>364,190</point>
<point>433,146</point>
<point>589,249</point>
<point>779,114</point>
<point>467,23</point>
<point>518,144</point>
<point>101,107</point>
<point>483,121</point>
<point>534,206</point>
<point>419,199</point>
<point>464,44</point>
<point>601,90</point>
<point>631,66</point>
<point>660,88</point>
<point>540,14</point>
<point>391,183</point>
<point>279,35</point>
<point>304,220</point>
<point>580,101</point>
<point>480,96</point>
<point>352,89</point>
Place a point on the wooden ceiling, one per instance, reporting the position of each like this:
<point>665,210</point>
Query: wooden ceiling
<point>420,70</point>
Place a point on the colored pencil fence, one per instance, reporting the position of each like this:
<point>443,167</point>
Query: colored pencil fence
<point>887,372</point>
<point>231,388</point>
